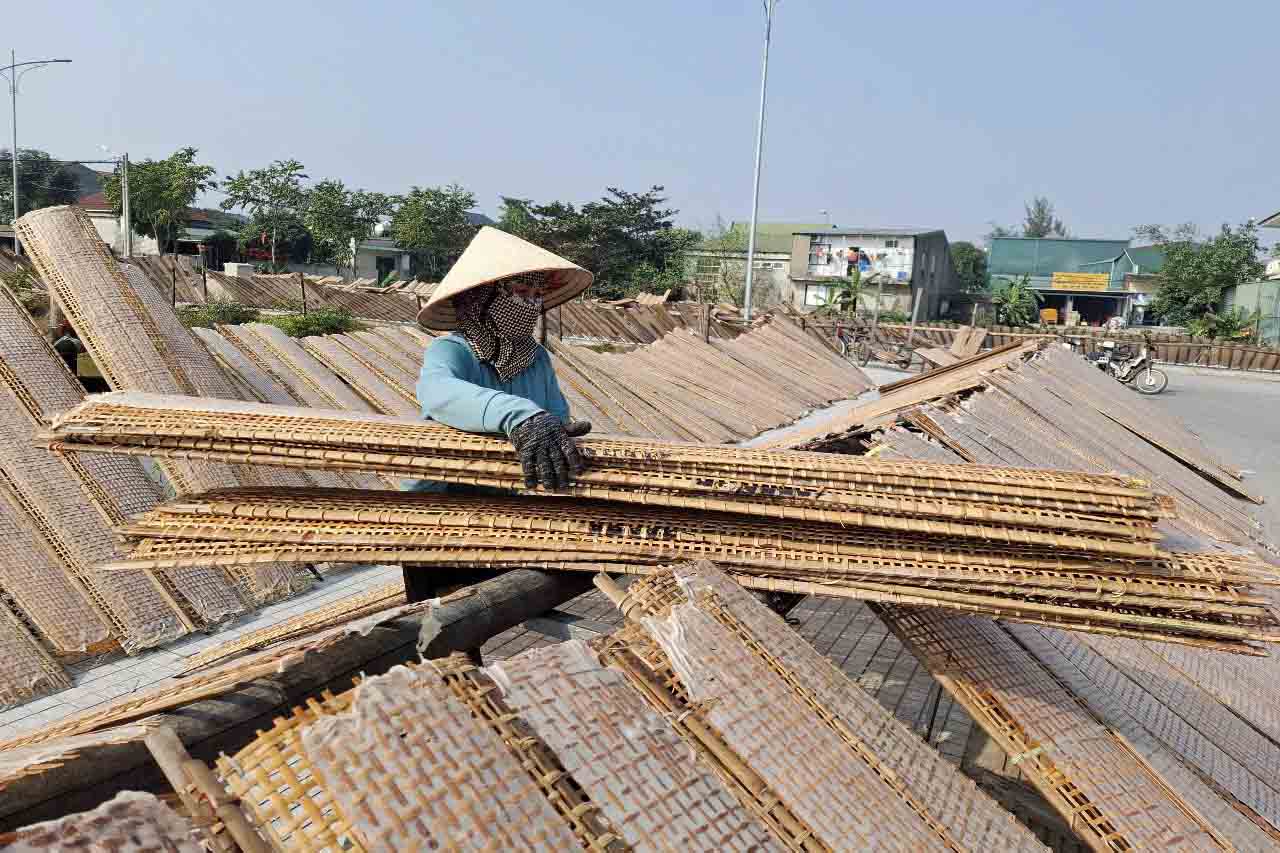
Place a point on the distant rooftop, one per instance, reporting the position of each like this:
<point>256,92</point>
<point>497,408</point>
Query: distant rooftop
<point>776,237</point>
<point>871,232</point>
<point>94,201</point>
<point>1123,241</point>
<point>1272,221</point>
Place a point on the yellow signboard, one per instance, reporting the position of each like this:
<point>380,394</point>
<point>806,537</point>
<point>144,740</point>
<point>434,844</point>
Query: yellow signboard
<point>1080,281</point>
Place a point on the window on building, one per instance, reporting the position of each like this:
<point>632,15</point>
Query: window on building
<point>819,251</point>
<point>891,244</point>
<point>816,295</point>
<point>385,265</point>
<point>706,270</point>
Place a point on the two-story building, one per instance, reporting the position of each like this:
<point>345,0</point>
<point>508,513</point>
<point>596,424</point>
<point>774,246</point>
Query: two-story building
<point>906,261</point>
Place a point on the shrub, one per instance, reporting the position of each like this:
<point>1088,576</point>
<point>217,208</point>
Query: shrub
<point>217,313</point>
<point>1234,325</point>
<point>894,317</point>
<point>322,321</point>
<point>1017,303</point>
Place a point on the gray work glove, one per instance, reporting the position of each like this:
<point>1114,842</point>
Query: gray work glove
<point>546,451</point>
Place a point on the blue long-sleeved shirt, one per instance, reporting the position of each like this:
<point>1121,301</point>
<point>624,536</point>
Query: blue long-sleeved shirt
<point>456,388</point>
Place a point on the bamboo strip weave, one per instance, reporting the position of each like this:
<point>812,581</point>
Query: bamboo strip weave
<point>639,773</point>
<point>946,798</point>
<point>1112,799</point>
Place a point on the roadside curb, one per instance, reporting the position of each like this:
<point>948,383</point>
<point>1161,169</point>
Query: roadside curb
<point>1221,372</point>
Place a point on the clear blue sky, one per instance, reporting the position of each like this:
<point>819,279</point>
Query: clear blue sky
<point>931,113</point>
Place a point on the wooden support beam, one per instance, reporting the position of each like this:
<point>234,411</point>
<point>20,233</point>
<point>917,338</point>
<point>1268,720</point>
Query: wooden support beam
<point>226,723</point>
<point>200,790</point>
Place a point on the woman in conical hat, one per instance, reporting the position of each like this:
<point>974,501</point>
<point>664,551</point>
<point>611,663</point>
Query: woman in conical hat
<point>490,375</point>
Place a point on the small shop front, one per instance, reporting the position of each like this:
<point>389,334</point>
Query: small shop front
<point>1081,299</point>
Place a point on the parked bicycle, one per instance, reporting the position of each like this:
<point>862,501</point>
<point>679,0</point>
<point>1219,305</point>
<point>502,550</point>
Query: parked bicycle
<point>854,342</point>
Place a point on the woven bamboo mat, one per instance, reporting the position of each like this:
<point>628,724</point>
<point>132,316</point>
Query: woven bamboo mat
<point>853,524</point>
<point>1030,419</point>
<point>588,746</point>
<point>402,373</point>
<point>1163,431</point>
<point>950,799</point>
<point>131,822</point>
<point>1169,710</point>
<point>376,386</point>
<point>1205,723</point>
<point>951,806</point>
<point>291,361</point>
<point>116,487</point>
<point>373,758</point>
<point>57,607</point>
<point>27,670</point>
<point>1112,799</point>
<point>251,372</point>
<point>1201,776</point>
<point>101,298</point>
<point>935,385</point>
<point>577,707</point>
<point>49,492</point>
<point>1249,691</point>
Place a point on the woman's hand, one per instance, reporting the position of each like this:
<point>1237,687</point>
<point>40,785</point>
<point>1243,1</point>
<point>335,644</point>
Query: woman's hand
<point>546,451</point>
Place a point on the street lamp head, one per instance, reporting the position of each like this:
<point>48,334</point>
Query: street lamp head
<point>13,73</point>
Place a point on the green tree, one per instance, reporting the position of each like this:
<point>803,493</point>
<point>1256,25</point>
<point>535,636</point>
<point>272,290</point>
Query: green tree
<point>432,223</point>
<point>161,193</point>
<point>628,240</point>
<point>1001,231</point>
<point>971,266</point>
<point>273,196</point>
<point>292,241</point>
<point>1017,303</point>
<point>842,297</point>
<point>1040,220</point>
<point>339,219</point>
<point>42,182</point>
<point>1195,273</point>
<point>1160,235</point>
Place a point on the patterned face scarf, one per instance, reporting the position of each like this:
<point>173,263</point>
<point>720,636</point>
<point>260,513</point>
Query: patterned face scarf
<point>499,325</point>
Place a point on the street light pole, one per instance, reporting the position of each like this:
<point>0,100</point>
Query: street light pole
<point>13,104</point>
<point>15,70</point>
<point>769,6</point>
<point>126,220</point>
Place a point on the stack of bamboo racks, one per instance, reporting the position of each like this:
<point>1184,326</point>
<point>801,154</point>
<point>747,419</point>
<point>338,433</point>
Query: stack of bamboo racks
<point>1056,548</point>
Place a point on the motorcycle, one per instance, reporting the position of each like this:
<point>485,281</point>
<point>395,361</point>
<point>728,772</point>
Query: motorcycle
<point>1136,370</point>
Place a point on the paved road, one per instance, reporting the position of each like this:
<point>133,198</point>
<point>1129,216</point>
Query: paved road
<point>1239,419</point>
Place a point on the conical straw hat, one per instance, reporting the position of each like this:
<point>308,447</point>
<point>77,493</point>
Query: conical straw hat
<point>492,256</point>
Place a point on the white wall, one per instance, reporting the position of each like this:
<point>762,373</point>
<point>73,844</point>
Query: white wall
<point>109,229</point>
<point>833,254</point>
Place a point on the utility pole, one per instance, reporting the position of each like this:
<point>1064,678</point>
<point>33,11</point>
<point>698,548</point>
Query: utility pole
<point>126,216</point>
<point>13,73</point>
<point>13,103</point>
<point>769,6</point>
